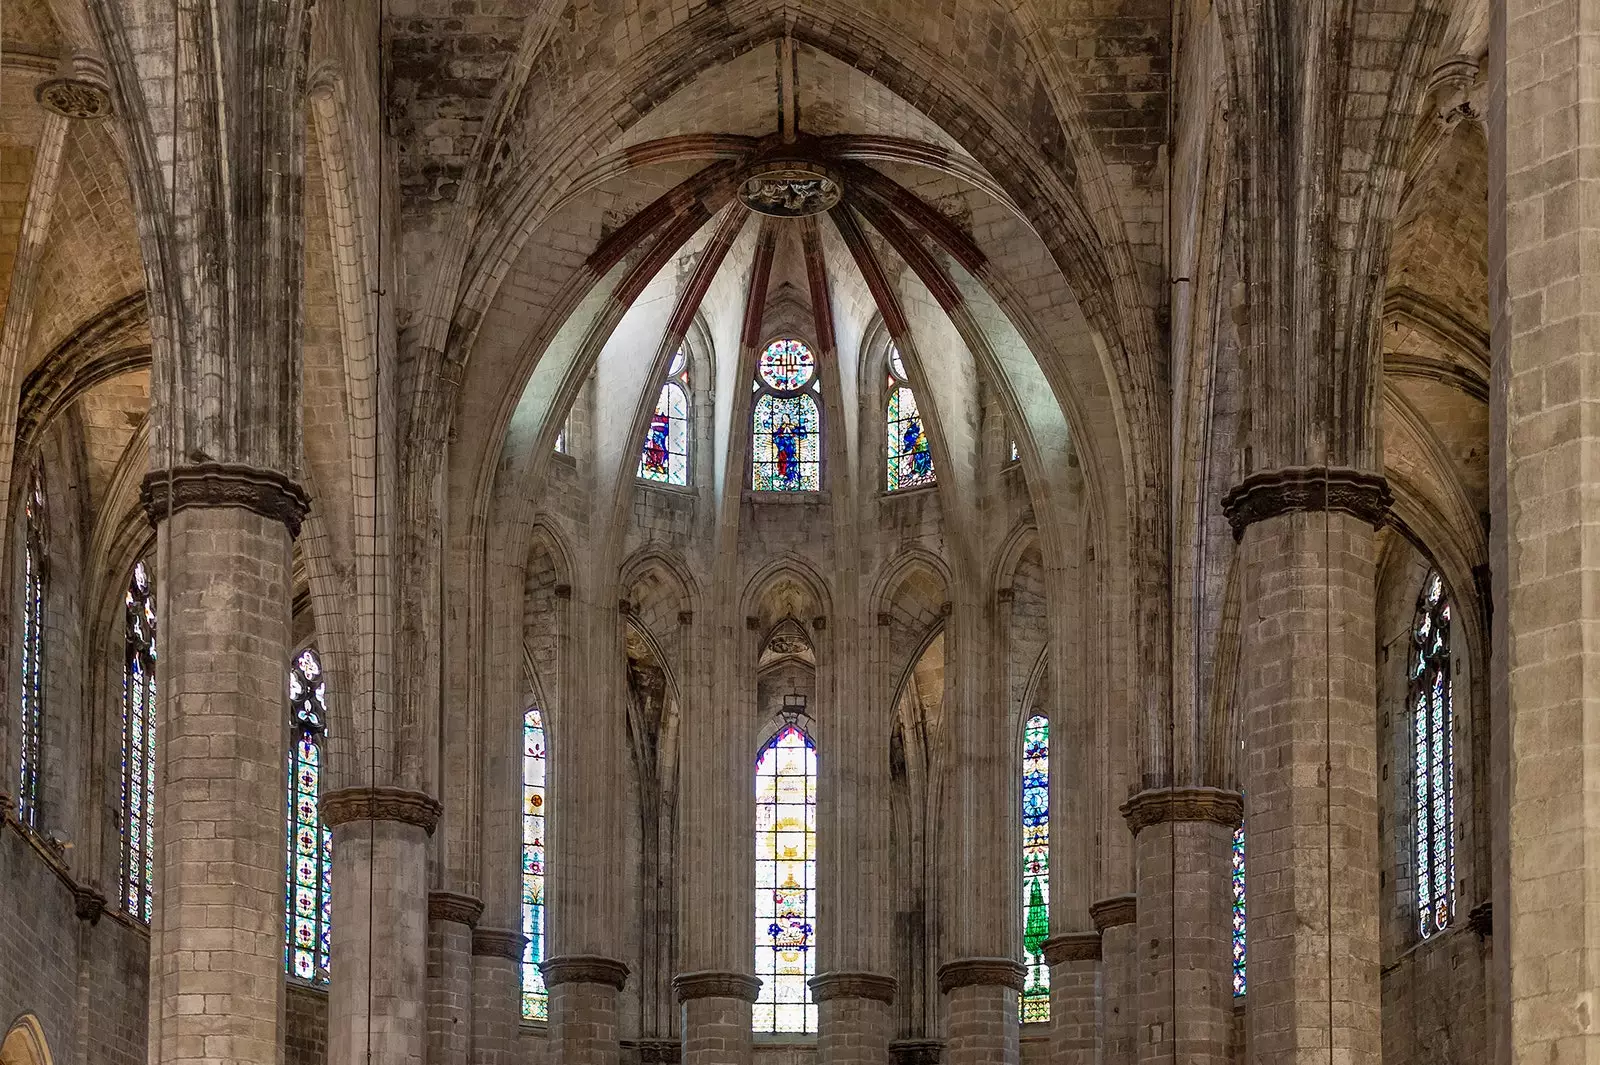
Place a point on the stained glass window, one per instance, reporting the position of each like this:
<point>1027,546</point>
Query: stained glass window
<point>535,997</point>
<point>310,868</point>
<point>787,422</point>
<point>1434,771</point>
<point>665,457</point>
<point>786,878</point>
<point>1238,910</point>
<point>1015,454</point>
<point>32,657</point>
<point>910,454</point>
<point>1036,866</point>
<point>139,745</point>
<point>561,437</point>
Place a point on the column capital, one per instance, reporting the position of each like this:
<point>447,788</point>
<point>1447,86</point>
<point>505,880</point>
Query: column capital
<point>710,983</point>
<point>381,804</point>
<point>449,906</point>
<point>585,969</point>
<point>1115,911</point>
<point>656,1051</point>
<point>224,484</point>
<point>507,943</point>
<point>916,1051</point>
<point>1162,805</point>
<point>875,986</point>
<point>1072,946</point>
<point>996,972</point>
<point>1271,493</point>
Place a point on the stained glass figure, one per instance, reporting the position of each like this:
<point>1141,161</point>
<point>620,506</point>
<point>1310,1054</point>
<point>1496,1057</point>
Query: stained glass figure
<point>1433,780</point>
<point>535,997</point>
<point>1238,910</point>
<point>665,458</point>
<point>139,745</point>
<point>31,615</point>
<point>786,878</point>
<point>1036,866</point>
<point>786,423</point>
<point>910,455</point>
<point>310,869</point>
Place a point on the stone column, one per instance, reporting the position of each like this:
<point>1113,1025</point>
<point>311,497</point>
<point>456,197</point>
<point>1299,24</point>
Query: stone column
<point>1183,840</point>
<point>1074,960</point>
<point>583,994</point>
<point>1309,694</point>
<point>450,921</point>
<point>854,1018</point>
<point>377,995</point>
<point>216,952</point>
<point>496,995</point>
<point>716,1016</point>
<point>981,1007</point>
<point>1118,1021</point>
<point>1544,291</point>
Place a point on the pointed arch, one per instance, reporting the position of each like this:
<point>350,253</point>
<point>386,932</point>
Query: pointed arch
<point>25,1043</point>
<point>786,879</point>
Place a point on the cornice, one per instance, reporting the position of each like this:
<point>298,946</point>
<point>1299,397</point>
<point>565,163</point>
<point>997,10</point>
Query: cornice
<point>989,972</point>
<point>1114,912</point>
<point>1163,805</point>
<point>875,986</point>
<point>585,969</point>
<point>381,804</point>
<point>1072,946</point>
<point>1273,493</point>
<point>221,484</point>
<point>711,983</point>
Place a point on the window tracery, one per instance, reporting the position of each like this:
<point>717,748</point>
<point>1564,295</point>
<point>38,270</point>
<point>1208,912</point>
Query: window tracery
<point>786,422</point>
<point>910,455</point>
<point>310,866</point>
<point>139,745</point>
<point>535,996</point>
<point>34,568</point>
<point>786,877</point>
<point>1036,867</point>
<point>1433,772</point>
<point>665,457</point>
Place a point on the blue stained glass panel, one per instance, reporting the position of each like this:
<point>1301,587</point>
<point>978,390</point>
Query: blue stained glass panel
<point>1036,867</point>
<point>1238,911</point>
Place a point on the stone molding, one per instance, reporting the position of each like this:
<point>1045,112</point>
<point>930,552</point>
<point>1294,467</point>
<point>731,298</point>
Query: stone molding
<point>1480,919</point>
<point>655,1051</point>
<point>584,969</point>
<point>74,98</point>
<point>507,943</point>
<point>345,805</point>
<point>1072,946</point>
<point>1162,805</point>
<point>916,1051</point>
<point>1115,911</point>
<point>991,972</point>
<point>829,986</point>
<point>449,906</point>
<point>87,903</point>
<point>223,484</point>
<point>710,983</point>
<point>1272,493</point>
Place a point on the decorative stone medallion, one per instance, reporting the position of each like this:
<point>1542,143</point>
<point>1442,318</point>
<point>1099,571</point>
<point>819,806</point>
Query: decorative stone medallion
<point>790,189</point>
<point>73,98</point>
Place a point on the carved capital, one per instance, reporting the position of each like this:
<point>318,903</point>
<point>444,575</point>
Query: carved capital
<point>916,1051</point>
<point>1480,919</point>
<point>507,943</point>
<point>449,906</point>
<point>713,984</point>
<point>221,484</point>
<point>1072,946</point>
<point>655,1051</point>
<point>585,969</point>
<point>1159,806</point>
<point>87,903</point>
<point>1114,912</point>
<point>381,804</point>
<point>1275,492</point>
<point>829,986</point>
<point>992,972</point>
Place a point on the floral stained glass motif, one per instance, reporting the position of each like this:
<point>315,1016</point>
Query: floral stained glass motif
<point>1238,910</point>
<point>910,455</point>
<point>1433,780</point>
<point>665,457</point>
<point>535,997</point>
<point>786,422</point>
<point>32,617</point>
<point>139,746</point>
<point>1036,867</point>
<point>786,877</point>
<point>310,869</point>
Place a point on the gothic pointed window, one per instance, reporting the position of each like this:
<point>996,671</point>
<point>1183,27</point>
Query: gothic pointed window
<point>787,421</point>
<point>31,615</point>
<point>1238,910</point>
<point>310,867</point>
<point>1433,779</point>
<point>910,455</point>
<point>535,997</point>
<point>665,458</point>
<point>786,879</point>
<point>138,745</point>
<point>1036,866</point>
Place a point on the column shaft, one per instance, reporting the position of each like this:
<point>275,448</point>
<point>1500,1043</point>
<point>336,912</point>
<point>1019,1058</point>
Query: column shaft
<point>982,1000</point>
<point>496,996</point>
<point>1118,1019</point>
<point>716,1016</point>
<point>1074,961</point>
<point>450,920</point>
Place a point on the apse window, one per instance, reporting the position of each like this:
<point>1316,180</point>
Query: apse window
<point>1433,745</point>
<point>786,878</point>
<point>910,454</point>
<point>1036,867</point>
<point>787,421</point>
<point>1238,911</point>
<point>535,996</point>
<point>310,870</point>
<point>665,456</point>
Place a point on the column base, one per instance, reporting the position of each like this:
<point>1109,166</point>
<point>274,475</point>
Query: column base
<point>981,1020</point>
<point>1074,960</point>
<point>716,1016</point>
<point>854,1017</point>
<point>583,1008</point>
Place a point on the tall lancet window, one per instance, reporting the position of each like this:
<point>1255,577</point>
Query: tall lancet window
<point>31,615</point>
<point>786,881</point>
<point>310,869</point>
<point>1433,782</point>
<point>910,455</point>
<point>139,745</point>
<point>1036,866</point>
<point>787,422</point>
<point>535,997</point>
<point>1238,910</point>
<point>665,458</point>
